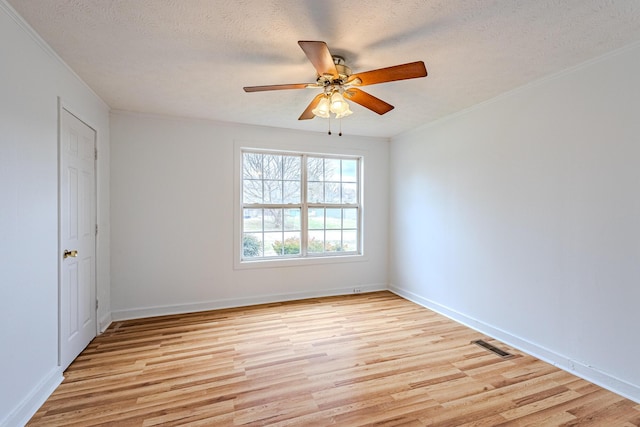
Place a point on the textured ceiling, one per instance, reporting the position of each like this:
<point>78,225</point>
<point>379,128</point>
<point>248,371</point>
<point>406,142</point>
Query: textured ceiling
<point>191,58</point>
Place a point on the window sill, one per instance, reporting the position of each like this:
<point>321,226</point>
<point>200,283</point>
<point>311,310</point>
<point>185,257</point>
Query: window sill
<point>298,262</point>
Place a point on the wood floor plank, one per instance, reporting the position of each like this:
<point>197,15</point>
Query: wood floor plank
<point>367,359</point>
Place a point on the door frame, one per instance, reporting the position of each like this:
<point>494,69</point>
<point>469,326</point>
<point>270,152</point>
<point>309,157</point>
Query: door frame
<point>62,106</point>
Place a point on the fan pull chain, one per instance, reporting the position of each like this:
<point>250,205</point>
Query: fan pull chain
<point>340,127</point>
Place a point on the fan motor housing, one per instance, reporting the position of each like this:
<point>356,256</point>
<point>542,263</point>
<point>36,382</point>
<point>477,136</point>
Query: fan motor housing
<point>343,71</point>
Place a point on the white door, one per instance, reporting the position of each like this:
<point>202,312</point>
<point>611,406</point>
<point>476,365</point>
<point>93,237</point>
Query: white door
<point>77,303</point>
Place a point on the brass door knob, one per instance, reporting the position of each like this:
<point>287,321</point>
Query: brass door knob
<point>68,254</point>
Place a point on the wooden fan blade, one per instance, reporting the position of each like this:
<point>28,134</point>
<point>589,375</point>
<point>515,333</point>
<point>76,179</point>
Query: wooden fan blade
<point>319,55</point>
<point>411,70</point>
<point>369,101</point>
<point>275,87</point>
<point>307,114</point>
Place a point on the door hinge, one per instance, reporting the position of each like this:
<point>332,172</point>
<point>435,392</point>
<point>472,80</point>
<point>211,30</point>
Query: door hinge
<point>97,305</point>
<point>96,229</point>
<point>96,154</point>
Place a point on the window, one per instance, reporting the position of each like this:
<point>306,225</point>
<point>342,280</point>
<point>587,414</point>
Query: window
<point>297,205</point>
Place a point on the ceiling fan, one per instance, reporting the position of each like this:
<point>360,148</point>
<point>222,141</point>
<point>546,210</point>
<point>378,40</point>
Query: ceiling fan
<point>337,82</point>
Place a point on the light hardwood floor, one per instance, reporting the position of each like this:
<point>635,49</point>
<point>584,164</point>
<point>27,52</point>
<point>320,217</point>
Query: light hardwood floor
<point>368,359</point>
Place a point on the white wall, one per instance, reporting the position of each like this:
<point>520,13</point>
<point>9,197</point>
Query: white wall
<point>31,80</point>
<point>521,217</point>
<point>172,217</point>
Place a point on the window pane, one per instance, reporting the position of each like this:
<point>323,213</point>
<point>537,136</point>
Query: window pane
<point>292,219</point>
<point>349,193</point>
<point>350,240</point>
<point>270,245</point>
<point>272,191</point>
<point>316,219</point>
<point>291,168</point>
<point>316,242</point>
<point>272,219</point>
<point>350,218</point>
<point>291,244</point>
<point>315,192</point>
<point>349,170</point>
<point>334,218</point>
<point>332,192</point>
<point>252,166</point>
<point>315,169</point>
<point>252,245</point>
<point>332,170</point>
<point>333,241</point>
<point>291,192</point>
<point>272,167</point>
<point>252,191</point>
<point>252,220</point>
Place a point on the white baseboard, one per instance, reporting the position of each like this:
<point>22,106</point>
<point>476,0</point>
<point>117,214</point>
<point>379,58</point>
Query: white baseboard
<point>142,312</point>
<point>589,373</point>
<point>104,322</point>
<point>34,400</point>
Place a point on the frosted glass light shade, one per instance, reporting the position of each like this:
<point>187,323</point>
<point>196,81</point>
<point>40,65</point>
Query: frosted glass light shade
<point>345,113</point>
<point>338,104</point>
<point>322,109</point>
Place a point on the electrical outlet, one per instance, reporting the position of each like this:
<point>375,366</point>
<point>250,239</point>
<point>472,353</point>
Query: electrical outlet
<point>356,290</point>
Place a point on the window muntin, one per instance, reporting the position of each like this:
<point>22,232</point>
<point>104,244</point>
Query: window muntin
<point>299,205</point>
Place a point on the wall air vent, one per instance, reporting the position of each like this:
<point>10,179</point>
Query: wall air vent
<point>492,348</point>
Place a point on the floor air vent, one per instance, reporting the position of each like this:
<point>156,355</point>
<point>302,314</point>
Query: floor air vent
<point>492,348</point>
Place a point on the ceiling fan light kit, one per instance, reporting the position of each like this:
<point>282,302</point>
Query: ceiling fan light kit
<point>337,83</point>
<point>323,108</point>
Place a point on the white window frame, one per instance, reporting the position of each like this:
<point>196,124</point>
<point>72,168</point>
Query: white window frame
<point>304,257</point>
